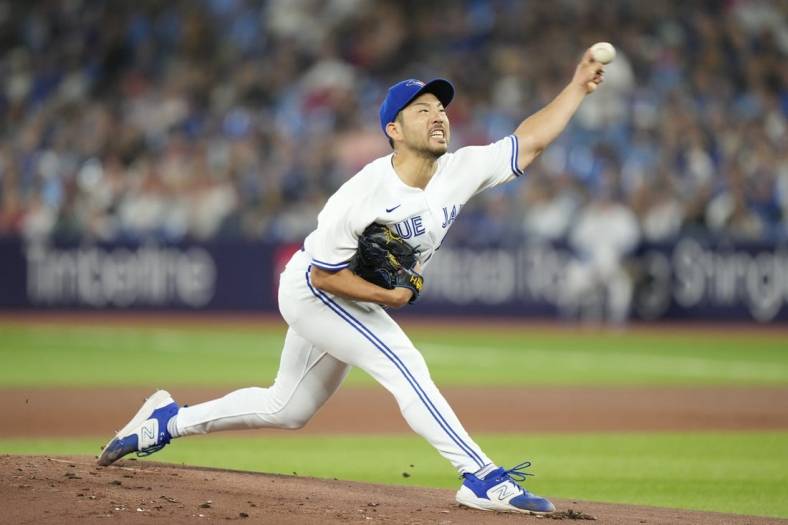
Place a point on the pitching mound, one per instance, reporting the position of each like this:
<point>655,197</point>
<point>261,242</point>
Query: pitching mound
<point>37,489</point>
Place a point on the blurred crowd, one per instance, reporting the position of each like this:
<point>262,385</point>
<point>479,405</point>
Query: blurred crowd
<point>210,119</point>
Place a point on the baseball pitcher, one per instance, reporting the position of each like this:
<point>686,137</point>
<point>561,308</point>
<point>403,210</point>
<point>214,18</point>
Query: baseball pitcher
<point>373,238</point>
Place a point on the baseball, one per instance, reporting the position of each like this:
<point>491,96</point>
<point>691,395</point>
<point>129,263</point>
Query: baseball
<point>603,52</point>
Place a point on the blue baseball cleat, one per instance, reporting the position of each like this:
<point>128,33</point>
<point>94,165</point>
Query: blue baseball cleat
<point>146,433</point>
<point>499,491</point>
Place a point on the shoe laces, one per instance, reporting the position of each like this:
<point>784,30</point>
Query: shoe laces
<point>150,450</point>
<point>517,472</point>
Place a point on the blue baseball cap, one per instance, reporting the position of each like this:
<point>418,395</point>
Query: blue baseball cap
<point>402,93</point>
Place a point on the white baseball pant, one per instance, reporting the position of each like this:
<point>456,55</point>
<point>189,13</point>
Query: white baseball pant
<point>327,336</point>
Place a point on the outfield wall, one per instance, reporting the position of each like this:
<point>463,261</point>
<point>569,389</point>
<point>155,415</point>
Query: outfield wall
<point>691,279</point>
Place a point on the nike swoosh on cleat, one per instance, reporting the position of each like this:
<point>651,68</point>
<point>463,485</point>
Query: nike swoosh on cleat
<point>389,210</point>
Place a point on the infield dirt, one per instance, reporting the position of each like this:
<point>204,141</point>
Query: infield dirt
<point>74,490</point>
<point>91,412</point>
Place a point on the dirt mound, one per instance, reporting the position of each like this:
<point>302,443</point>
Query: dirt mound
<point>37,489</point>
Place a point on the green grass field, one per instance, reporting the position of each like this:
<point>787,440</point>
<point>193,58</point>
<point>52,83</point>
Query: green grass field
<point>55,355</point>
<point>741,472</point>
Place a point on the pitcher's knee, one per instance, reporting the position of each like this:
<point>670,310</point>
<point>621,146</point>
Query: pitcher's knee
<point>414,362</point>
<point>292,419</point>
<point>294,424</point>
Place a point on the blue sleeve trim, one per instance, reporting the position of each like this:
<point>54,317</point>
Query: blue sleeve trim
<point>515,155</point>
<point>328,266</point>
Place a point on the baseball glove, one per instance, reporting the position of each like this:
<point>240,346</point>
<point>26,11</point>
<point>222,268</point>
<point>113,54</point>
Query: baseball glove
<point>385,259</point>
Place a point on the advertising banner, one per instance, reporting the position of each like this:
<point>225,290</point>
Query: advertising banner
<point>692,279</point>
<point>209,276</point>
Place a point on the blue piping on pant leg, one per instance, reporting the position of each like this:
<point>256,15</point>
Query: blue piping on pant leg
<point>364,331</point>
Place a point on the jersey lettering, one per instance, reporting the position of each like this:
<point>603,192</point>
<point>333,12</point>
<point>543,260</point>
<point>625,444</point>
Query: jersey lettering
<point>418,228</point>
<point>411,227</point>
<point>448,217</point>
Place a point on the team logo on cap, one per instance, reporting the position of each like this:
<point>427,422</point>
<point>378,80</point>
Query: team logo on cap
<point>414,83</point>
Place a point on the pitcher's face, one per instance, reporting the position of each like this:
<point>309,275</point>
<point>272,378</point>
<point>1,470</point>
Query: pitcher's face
<point>424,126</point>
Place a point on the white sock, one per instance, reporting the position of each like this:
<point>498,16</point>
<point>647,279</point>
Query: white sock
<point>482,472</point>
<point>172,426</point>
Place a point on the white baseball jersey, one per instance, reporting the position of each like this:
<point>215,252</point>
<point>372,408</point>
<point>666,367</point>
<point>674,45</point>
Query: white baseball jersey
<point>376,194</point>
